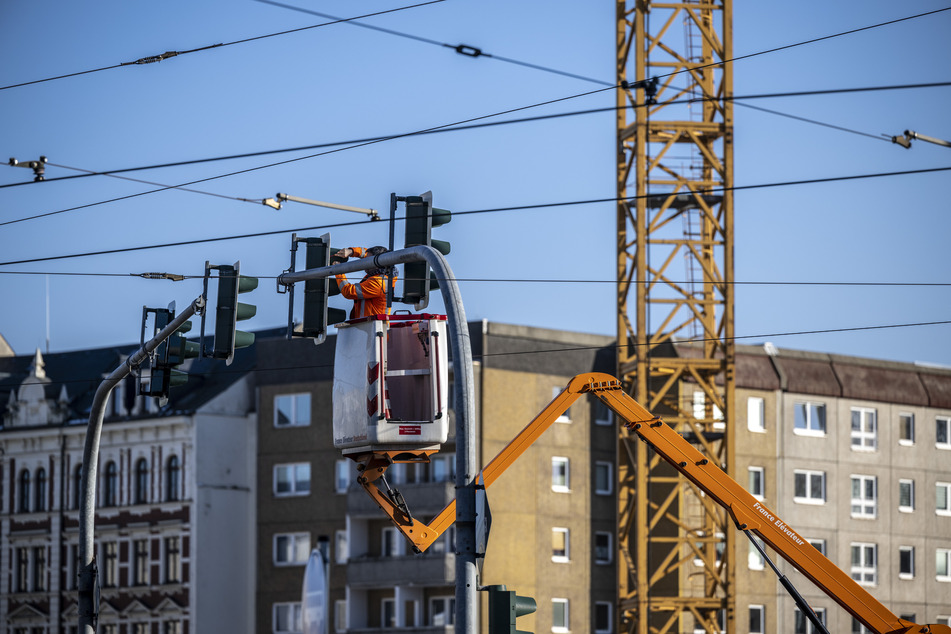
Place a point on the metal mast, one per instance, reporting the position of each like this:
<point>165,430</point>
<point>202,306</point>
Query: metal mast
<point>675,284</point>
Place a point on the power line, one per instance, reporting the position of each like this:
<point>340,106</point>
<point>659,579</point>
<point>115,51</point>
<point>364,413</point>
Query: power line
<point>483,211</point>
<point>169,54</point>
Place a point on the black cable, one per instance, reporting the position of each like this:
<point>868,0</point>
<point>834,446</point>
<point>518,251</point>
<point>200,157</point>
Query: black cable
<point>460,128</point>
<point>170,54</point>
<point>462,49</point>
<point>482,211</point>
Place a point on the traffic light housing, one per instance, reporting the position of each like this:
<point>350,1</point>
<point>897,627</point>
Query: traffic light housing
<point>169,354</point>
<point>421,217</point>
<point>317,313</point>
<point>229,311</point>
<point>504,607</point>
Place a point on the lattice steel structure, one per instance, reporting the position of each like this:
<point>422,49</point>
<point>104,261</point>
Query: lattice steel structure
<point>675,284</point>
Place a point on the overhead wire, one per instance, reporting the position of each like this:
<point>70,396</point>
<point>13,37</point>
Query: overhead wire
<point>613,199</point>
<point>170,54</point>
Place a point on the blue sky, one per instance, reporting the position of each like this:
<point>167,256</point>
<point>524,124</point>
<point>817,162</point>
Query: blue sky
<point>340,82</point>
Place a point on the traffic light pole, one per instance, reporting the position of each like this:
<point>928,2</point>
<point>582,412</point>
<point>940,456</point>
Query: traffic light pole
<point>464,394</point>
<point>88,573</point>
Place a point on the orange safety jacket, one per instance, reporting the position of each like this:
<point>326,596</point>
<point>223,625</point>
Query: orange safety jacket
<point>369,296</point>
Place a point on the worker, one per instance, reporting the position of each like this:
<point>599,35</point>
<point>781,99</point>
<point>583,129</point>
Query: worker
<point>369,296</point>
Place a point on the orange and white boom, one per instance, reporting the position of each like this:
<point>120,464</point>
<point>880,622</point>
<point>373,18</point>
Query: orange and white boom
<point>747,512</point>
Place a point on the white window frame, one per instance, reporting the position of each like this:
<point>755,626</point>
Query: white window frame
<point>819,544</point>
<point>603,415</point>
<point>295,615</point>
<point>610,609</point>
<point>566,537</point>
<point>341,618</point>
<point>388,604</point>
<point>755,559</point>
<point>341,546</point>
<point>756,414</point>
<point>342,475</point>
<point>390,543</point>
<point>761,609</point>
<point>757,473</point>
<point>809,499</point>
<point>566,627</point>
<point>865,572</point>
<point>299,404</point>
<point>442,468</point>
<point>943,564</point>
<point>808,626</point>
<point>566,416</point>
<point>447,606</point>
<point>943,422</point>
<point>292,468</point>
<point>610,548</point>
<point>811,428</point>
<point>864,507</point>
<point>910,485</point>
<point>939,487</point>
<point>609,468</point>
<point>566,463</point>
<point>911,551</point>
<point>910,417</point>
<point>865,437</point>
<point>294,542</point>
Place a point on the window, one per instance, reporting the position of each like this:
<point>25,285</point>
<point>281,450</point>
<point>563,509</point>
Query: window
<point>818,544</point>
<point>39,568</point>
<point>603,549</point>
<point>804,626</point>
<point>906,496</point>
<point>77,486</point>
<point>757,486</point>
<point>340,616</point>
<point>342,475</point>
<point>810,419</point>
<point>25,488</point>
<point>140,569</point>
<point>23,570</point>
<point>700,410</point>
<point>291,549</point>
<point>172,627</point>
<point>388,613</point>
<point>566,417</point>
<point>442,611</point>
<point>110,494</point>
<point>864,429</point>
<point>173,479</point>
<point>40,503</point>
<point>755,414</point>
<point>603,624</point>
<point>560,543</point>
<point>287,618</point>
<point>559,615</point>
<point>603,478</point>
<point>702,549</point>
<point>292,410</point>
<point>442,468</point>
<point>445,543</point>
<point>390,542</point>
<point>942,433</point>
<point>864,496</point>
<point>292,479</point>
<point>602,413</point>
<point>173,560</point>
<point>560,475</point>
<point>809,487</point>
<point>943,564</point>
<point>858,628</point>
<point>110,571</point>
<point>341,547</point>
<point>141,481</point>
<point>73,565</point>
<point>906,562</point>
<point>755,559</point>
<point>906,429</point>
<point>942,503</point>
<point>865,563</point>
<point>757,619</point>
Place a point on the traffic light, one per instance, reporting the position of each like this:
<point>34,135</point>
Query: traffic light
<point>317,314</point>
<point>421,217</point>
<point>169,354</point>
<point>504,607</point>
<point>230,311</point>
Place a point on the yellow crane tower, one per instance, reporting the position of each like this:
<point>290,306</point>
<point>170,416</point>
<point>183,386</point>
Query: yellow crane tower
<point>675,307</point>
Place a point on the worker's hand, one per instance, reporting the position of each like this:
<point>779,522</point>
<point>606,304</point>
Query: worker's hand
<point>342,254</point>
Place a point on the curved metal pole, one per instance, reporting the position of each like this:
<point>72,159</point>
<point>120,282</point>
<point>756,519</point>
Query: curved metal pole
<point>88,572</point>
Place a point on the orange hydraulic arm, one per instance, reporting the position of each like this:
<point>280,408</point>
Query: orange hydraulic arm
<point>749,514</point>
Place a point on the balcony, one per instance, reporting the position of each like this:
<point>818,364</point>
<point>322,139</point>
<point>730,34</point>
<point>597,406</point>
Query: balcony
<point>427,569</point>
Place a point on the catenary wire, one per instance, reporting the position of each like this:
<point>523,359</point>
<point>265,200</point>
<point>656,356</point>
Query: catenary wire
<point>460,128</point>
<point>614,199</point>
<point>169,54</point>
<point>298,366</point>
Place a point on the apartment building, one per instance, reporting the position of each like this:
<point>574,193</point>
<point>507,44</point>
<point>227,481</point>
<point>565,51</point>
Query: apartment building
<point>175,506</point>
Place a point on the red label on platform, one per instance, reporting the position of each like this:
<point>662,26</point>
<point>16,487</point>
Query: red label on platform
<point>410,430</point>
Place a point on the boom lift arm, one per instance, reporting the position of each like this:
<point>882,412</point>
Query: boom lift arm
<point>747,512</point>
